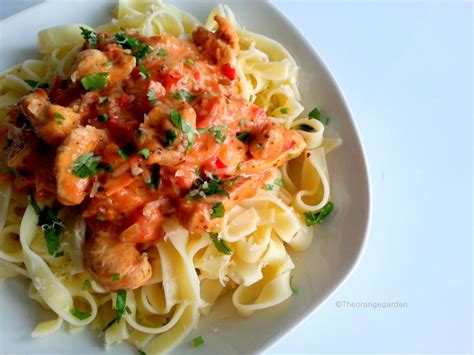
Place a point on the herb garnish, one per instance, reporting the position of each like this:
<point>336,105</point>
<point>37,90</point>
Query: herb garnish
<point>216,131</point>
<point>206,187</point>
<point>279,182</point>
<point>103,117</point>
<point>162,52</point>
<point>116,277</point>
<point>170,138</point>
<point>145,153</point>
<point>184,126</point>
<point>293,288</point>
<point>86,284</point>
<point>79,314</point>
<point>120,304</point>
<point>285,110</point>
<point>139,49</point>
<point>220,244</point>
<point>315,114</point>
<point>314,218</point>
<point>183,95</point>
<point>243,136</point>
<point>155,177</point>
<point>268,187</point>
<point>34,84</point>
<point>217,210</point>
<point>95,81</point>
<point>198,341</point>
<point>90,37</point>
<point>86,165</point>
<point>143,72</point>
<point>51,224</point>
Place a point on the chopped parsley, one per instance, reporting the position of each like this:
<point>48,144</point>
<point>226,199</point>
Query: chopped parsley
<point>217,132</point>
<point>141,352</point>
<point>143,72</point>
<point>115,277</point>
<point>183,95</point>
<point>240,167</point>
<point>315,218</point>
<point>152,97</point>
<point>86,165</point>
<point>285,110</point>
<point>162,52</point>
<point>189,61</point>
<point>103,117</point>
<point>250,98</point>
<point>184,126</point>
<point>95,81</point>
<point>138,48</point>
<point>242,123</point>
<point>126,151</point>
<point>291,156</point>
<point>207,187</point>
<point>34,84</point>
<point>122,154</point>
<point>315,114</point>
<point>51,224</point>
<point>100,218</point>
<point>293,288</point>
<point>243,136</point>
<point>170,138</point>
<point>217,210</point>
<point>90,37</point>
<point>103,101</point>
<point>268,187</point>
<point>198,341</point>
<point>108,64</point>
<point>86,284</point>
<point>155,177</point>
<point>79,314</point>
<point>279,182</point>
<point>220,244</point>
<point>120,304</point>
<point>145,153</point>
<point>58,116</point>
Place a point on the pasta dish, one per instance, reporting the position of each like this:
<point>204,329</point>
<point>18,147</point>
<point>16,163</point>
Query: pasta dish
<point>153,164</point>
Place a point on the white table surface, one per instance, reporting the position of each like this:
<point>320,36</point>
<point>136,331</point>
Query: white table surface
<point>406,70</point>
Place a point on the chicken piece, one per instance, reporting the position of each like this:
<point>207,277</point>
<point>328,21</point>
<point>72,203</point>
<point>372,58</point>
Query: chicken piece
<point>272,147</point>
<point>223,45</point>
<point>90,61</point>
<point>195,215</point>
<point>52,123</point>
<point>71,189</point>
<point>116,265</point>
<point>172,144</point>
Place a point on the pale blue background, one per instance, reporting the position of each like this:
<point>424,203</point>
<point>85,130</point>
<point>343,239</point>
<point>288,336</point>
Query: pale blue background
<point>406,70</point>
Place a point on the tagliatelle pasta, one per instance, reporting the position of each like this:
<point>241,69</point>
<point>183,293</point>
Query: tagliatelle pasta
<point>191,244</point>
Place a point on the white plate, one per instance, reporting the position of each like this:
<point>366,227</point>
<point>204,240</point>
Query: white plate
<point>319,271</point>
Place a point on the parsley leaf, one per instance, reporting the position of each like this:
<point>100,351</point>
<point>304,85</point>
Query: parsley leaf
<point>79,314</point>
<point>85,285</point>
<point>58,116</point>
<point>155,177</point>
<point>189,61</point>
<point>243,136</point>
<point>170,138</point>
<point>285,110</point>
<point>141,352</point>
<point>120,304</point>
<point>139,49</point>
<point>115,277</point>
<point>103,117</point>
<point>35,84</point>
<point>95,81</point>
<point>217,133</point>
<point>315,114</point>
<point>90,37</point>
<point>51,224</point>
<point>152,97</point>
<point>143,72</point>
<point>183,95</point>
<point>198,341</point>
<point>220,244</point>
<point>86,165</point>
<point>184,126</point>
<point>211,186</point>
<point>268,187</point>
<point>162,52</point>
<point>217,210</point>
<point>314,218</point>
<point>145,153</point>
<point>279,182</point>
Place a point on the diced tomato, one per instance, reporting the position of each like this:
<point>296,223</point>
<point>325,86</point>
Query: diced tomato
<point>123,100</point>
<point>228,71</point>
<point>171,79</point>
<point>123,132</point>
<point>220,164</point>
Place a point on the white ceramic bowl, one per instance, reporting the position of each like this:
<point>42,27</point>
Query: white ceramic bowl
<point>319,271</point>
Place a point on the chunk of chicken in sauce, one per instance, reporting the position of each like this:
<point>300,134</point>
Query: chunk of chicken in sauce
<point>53,123</point>
<point>72,189</point>
<point>115,264</point>
<point>223,45</point>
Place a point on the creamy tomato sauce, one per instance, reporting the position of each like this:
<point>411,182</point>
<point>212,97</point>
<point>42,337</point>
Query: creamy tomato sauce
<point>145,128</point>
